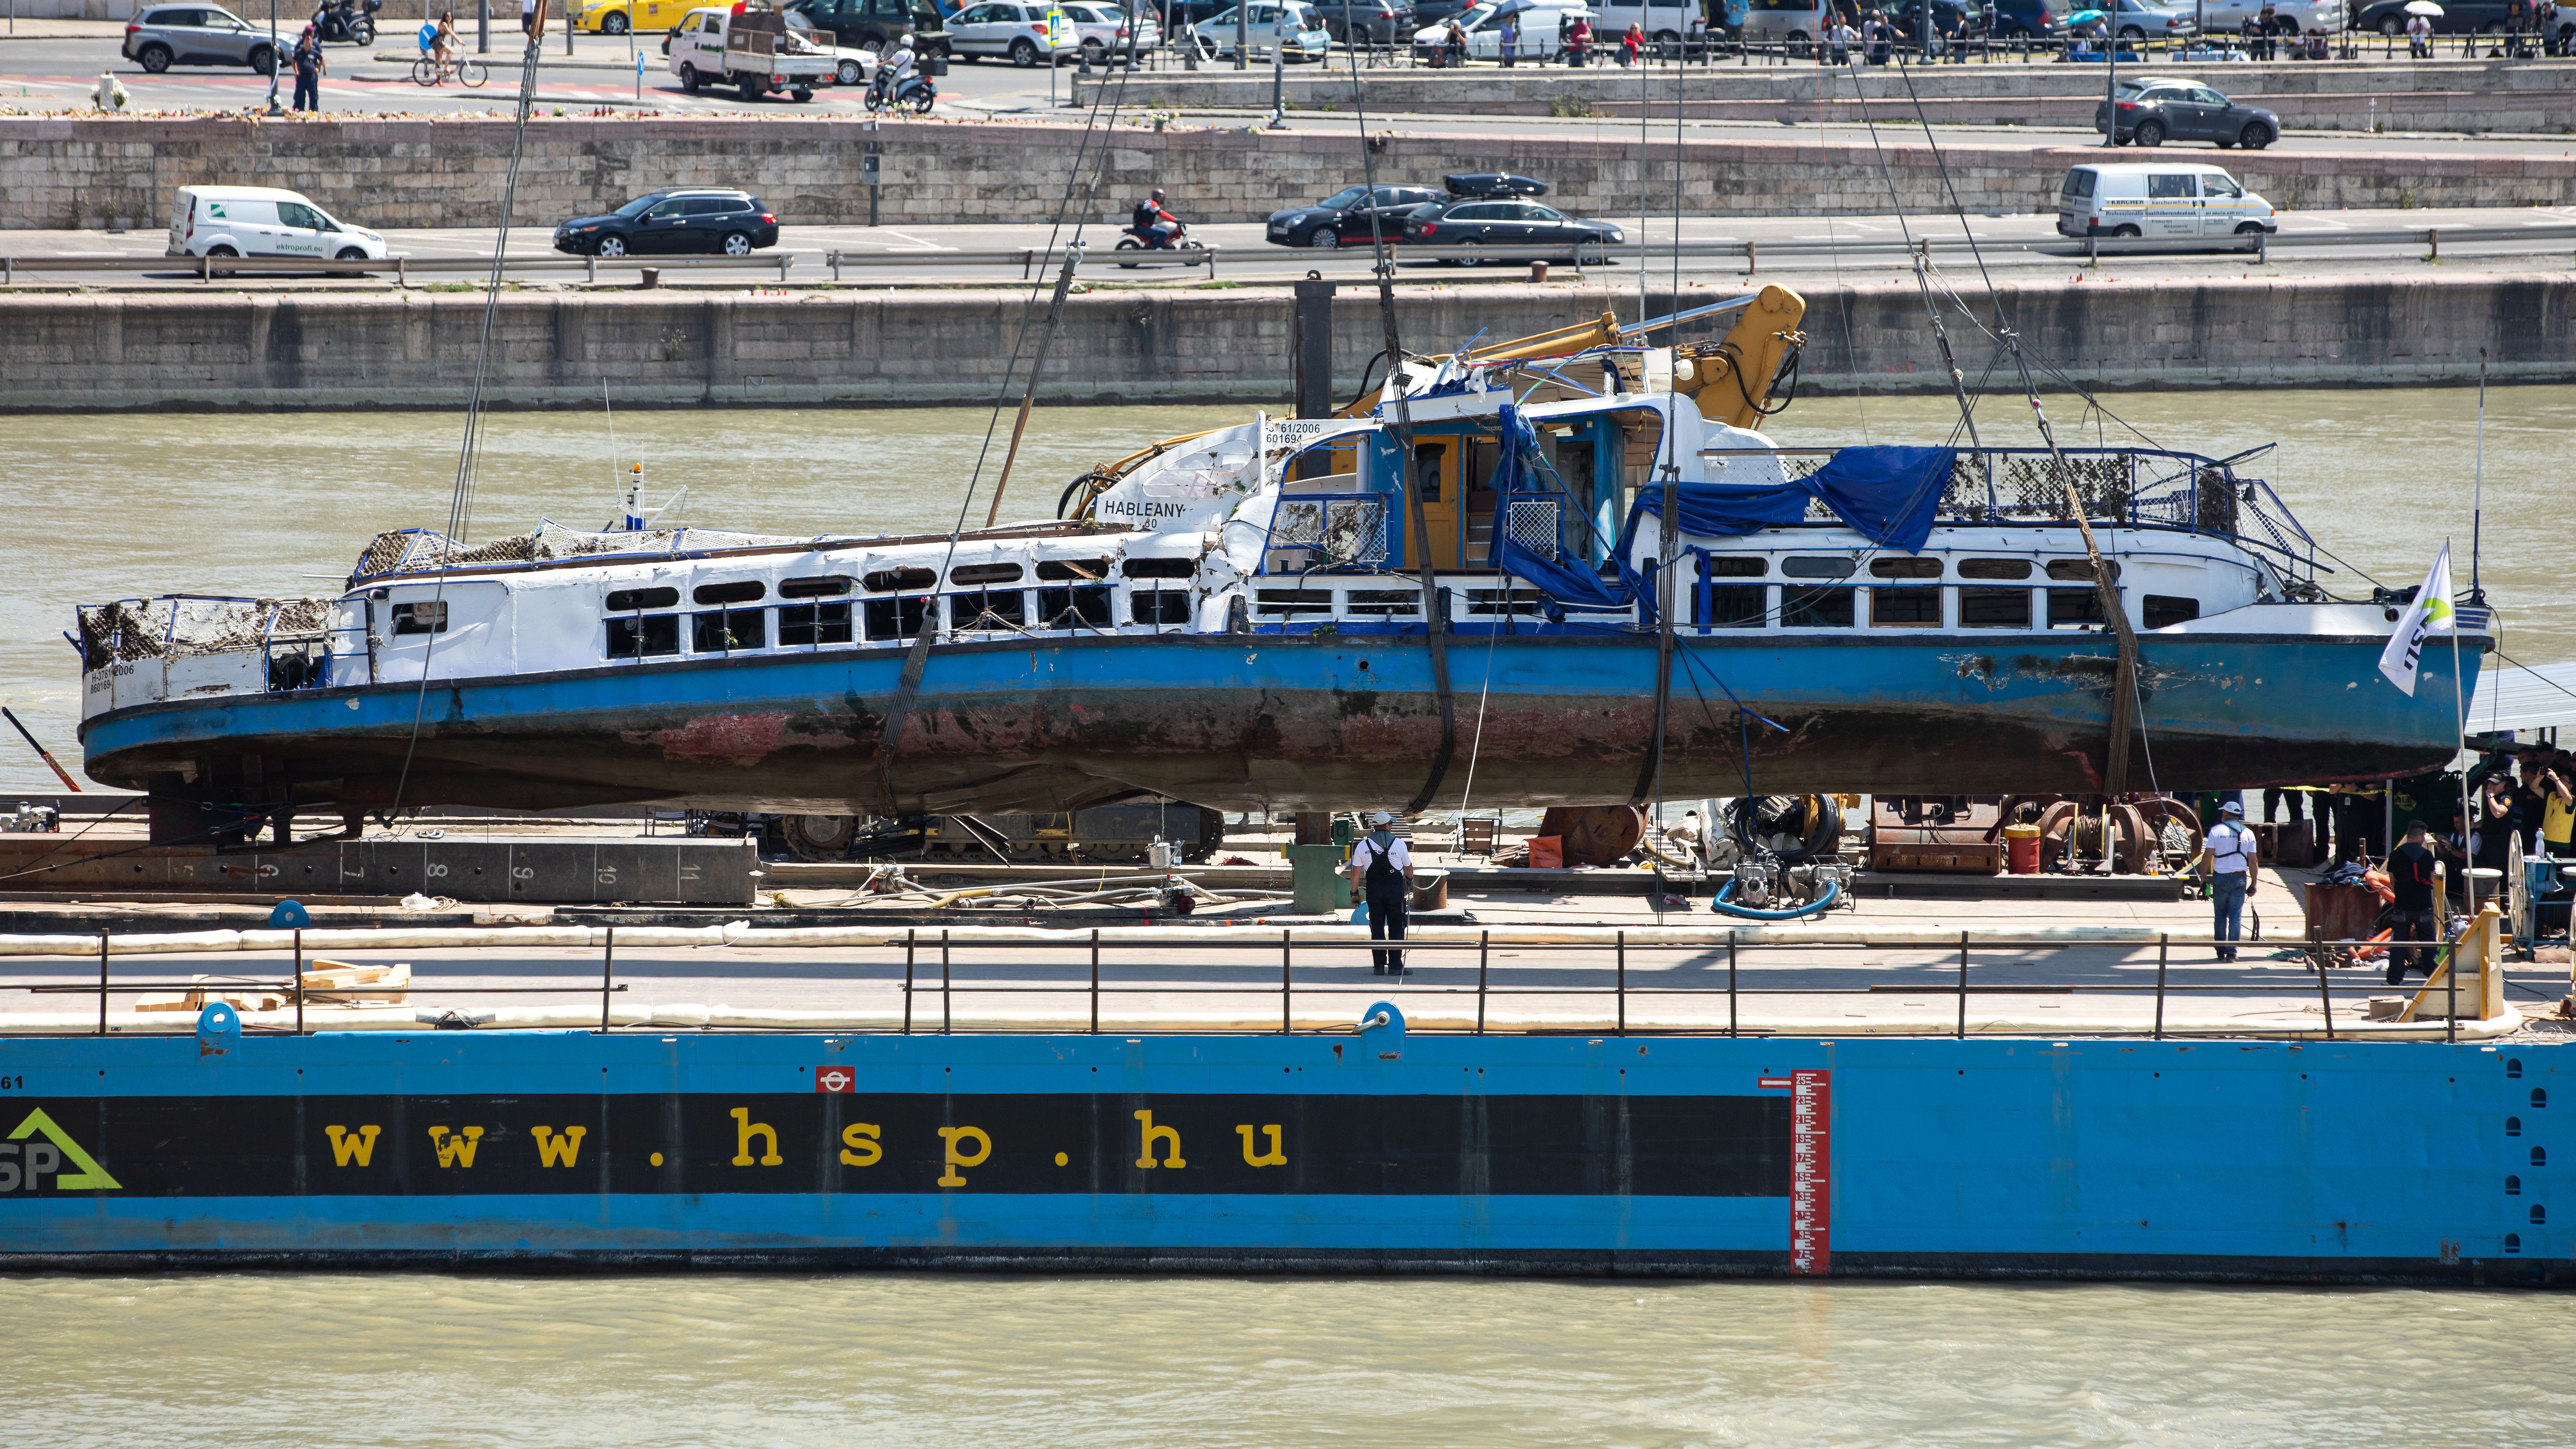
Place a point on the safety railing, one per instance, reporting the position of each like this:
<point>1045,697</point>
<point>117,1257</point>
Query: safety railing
<point>402,269</point>
<point>1618,977</point>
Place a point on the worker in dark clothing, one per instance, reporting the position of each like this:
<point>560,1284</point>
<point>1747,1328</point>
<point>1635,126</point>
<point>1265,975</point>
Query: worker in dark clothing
<point>2411,918</point>
<point>1382,872</point>
<point>2274,797</point>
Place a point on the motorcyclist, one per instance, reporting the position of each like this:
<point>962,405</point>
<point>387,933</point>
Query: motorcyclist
<point>1155,226</point>
<point>898,64</point>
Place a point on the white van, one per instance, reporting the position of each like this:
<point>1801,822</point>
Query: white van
<point>1540,24</point>
<point>1661,21</point>
<point>262,221</point>
<point>2158,199</point>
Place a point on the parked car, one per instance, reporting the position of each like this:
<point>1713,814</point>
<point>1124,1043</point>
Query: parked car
<point>874,24</point>
<point>2149,20</point>
<point>262,221</point>
<point>1294,27</point>
<point>1484,28</point>
<point>1375,22</point>
<point>1496,211</point>
<point>2031,19</point>
<point>1662,21</point>
<point>1000,28</point>
<point>1344,217</point>
<point>2289,17</point>
<point>2178,199</point>
<point>851,64</point>
<point>617,17</point>
<point>2468,17</point>
<point>674,219</point>
<point>168,35</point>
<point>2152,110</point>
<point>1102,28</point>
<point>1432,12</point>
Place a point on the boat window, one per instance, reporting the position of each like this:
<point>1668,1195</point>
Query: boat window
<point>1061,569</point>
<point>1816,608</point>
<point>1292,601</point>
<point>1816,568</point>
<point>2512,1126</point>
<point>813,623</point>
<point>1905,568</point>
<point>1503,601</point>
<point>2164,610</point>
<point>826,587</point>
<point>1074,608</point>
<point>887,581</point>
<point>1160,568</point>
<point>740,591</point>
<point>1159,606</point>
<point>897,618</point>
<point>1386,603</point>
<point>633,637</point>
<point>1730,606</point>
<point>1994,568</point>
<point>2072,608</point>
<point>1734,566</point>
<point>988,573</point>
<point>1914,608</point>
<point>2540,1096</point>
<point>2512,1186</point>
<point>628,600</point>
<point>2079,570</point>
<point>721,631</point>
<point>1994,608</point>
<point>998,609</point>
<point>426,617</point>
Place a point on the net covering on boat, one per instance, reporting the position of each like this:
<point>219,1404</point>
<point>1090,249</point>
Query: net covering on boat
<point>421,550</point>
<point>174,628</point>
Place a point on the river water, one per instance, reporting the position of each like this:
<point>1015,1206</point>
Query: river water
<point>103,506</point>
<point>434,1360</point>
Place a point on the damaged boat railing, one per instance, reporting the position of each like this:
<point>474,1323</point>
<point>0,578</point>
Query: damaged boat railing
<point>934,978</point>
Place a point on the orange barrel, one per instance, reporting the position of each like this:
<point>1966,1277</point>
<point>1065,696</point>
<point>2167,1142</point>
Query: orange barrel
<point>2021,849</point>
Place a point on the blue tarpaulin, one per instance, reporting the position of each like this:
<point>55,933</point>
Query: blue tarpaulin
<point>1571,585</point>
<point>1888,494</point>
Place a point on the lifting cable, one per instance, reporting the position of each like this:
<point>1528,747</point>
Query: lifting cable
<point>2124,683</point>
<point>1668,528</point>
<point>916,661</point>
<point>1435,624</point>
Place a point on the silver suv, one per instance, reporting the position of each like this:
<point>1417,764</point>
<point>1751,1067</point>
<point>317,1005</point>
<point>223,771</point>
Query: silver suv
<point>168,35</point>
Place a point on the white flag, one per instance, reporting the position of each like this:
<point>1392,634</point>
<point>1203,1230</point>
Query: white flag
<point>2430,613</point>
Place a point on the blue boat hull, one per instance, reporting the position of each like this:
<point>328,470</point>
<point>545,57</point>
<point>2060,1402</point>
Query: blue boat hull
<point>1311,721</point>
<point>2317,1162</point>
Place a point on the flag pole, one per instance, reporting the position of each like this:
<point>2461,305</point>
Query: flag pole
<point>2478,491</point>
<point>2460,713</point>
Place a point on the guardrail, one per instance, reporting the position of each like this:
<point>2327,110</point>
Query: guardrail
<point>1031,261</point>
<point>1088,980</point>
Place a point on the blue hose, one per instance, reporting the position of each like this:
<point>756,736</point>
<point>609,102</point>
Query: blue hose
<point>1821,904</point>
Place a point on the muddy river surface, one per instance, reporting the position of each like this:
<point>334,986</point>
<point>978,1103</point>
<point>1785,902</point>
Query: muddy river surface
<point>117,505</point>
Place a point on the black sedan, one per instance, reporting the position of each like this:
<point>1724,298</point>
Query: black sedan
<point>2155,110</point>
<point>1510,227</point>
<point>1343,217</point>
<point>677,219</point>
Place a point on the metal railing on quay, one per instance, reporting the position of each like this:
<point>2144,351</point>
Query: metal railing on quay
<point>1618,991</point>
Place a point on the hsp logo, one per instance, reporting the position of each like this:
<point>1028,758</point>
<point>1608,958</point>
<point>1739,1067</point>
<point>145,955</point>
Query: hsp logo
<point>26,1166</point>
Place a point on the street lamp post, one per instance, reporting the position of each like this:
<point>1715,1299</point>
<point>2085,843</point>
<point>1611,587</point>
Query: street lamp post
<point>274,108</point>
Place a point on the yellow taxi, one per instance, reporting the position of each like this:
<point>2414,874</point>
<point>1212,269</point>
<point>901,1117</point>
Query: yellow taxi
<point>616,17</point>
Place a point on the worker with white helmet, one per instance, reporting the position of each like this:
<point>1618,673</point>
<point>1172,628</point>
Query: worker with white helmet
<point>1381,871</point>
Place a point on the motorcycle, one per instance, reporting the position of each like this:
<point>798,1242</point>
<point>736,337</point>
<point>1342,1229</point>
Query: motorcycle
<point>342,22</point>
<point>1145,239</point>
<point>916,94</point>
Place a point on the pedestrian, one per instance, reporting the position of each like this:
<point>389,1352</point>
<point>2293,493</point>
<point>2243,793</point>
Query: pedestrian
<point>528,18</point>
<point>1880,39</point>
<point>1455,45</point>
<point>1845,39</point>
<point>308,71</point>
<point>2558,805</point>
<point>1577,41</point>
<point>2232,860</point>
<point>2258,41</point>
<point>2270,20</point>
<point>1511,38</point>
<point>2419,37</point>
<point>2517,21</point>
<point>1381,870</point>
<point>2411,918</point>
<point>1631,45</point>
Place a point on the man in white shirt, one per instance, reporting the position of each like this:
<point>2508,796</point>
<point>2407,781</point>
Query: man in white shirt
<point>2231,875</point>
<point>1381,871</point>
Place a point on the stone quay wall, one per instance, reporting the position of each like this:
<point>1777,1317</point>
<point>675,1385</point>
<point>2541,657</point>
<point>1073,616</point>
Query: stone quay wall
<point>101,172</point>
<point>268,351</point>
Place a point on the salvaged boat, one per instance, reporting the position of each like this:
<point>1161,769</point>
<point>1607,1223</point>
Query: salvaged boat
<point>1472,570</point>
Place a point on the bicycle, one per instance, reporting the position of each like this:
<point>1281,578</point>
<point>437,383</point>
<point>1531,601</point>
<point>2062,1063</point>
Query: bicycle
<point>428,72</point>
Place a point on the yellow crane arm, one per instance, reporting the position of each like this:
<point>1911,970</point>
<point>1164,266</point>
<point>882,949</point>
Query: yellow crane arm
<point>1731,378</point>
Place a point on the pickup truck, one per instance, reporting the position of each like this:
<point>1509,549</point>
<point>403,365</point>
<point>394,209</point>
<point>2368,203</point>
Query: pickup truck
<point>751,50</point>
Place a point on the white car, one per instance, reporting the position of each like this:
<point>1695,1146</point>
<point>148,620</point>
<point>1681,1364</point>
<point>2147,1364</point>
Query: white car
<point>1102,25</point>
<point>1539,29</point>
<point>2289,17</point>
<point>1024,33</point>
<point>1296,28</point>
<point>262,221</point>
<point>851,64</point>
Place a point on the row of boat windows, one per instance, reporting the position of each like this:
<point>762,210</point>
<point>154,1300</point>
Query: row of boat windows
<point>1750,606</point>
<point>895,581</point>
<point>725,631</point>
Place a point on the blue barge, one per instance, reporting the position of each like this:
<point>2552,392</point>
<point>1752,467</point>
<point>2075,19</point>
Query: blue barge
<point>2221,1160</point>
